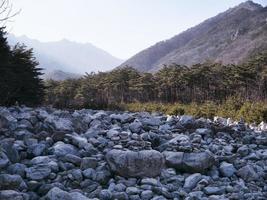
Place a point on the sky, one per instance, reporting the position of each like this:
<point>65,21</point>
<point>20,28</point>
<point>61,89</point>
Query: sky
<point>121,27</point>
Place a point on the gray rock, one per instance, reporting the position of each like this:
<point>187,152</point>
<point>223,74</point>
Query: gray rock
<point>147,163</point>
<point>248,173</point>
<point>62,149</point>
<point>76,160</point>
<point>18,169</point>
<point>192,180</point>
<point>227,169</point>
<point>38,172</point>
<point>78,196</point>
<point>120,196</point>
<point>105,195</point>
<point>189,162</point>
<point>3,122</point>
<point>89,173</point>
<point>120,187</point>
<point>243,151</point>
<point>135,126</point>
<point>147,195</point>
<point>62,124</point>
<point>149,181</point>
<point>214,190</point>
<point>132,190</point>
<point>159,198</point>
<point>89,163</point>
<point>9,182</point>
<point>58,194</point>
<point>3,160</point>
<point>11,195</point>
<point>77,175</point>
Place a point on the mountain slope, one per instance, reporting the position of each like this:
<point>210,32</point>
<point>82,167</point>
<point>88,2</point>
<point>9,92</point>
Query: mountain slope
<point>230,37</point>
<point>68,56</point>
<point>59,75</point>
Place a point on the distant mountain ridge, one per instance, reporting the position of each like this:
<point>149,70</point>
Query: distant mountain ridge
<point>230,37</point>
<point>68,56</point>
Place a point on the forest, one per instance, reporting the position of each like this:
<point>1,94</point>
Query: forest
<point>206,89</point>
<point>199,90</point>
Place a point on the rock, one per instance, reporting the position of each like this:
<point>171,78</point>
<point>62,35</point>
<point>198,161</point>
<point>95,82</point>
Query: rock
<point>214,190</point>
<point>38,172</point>
<point>9,182</point>
<point>11,195</point>
<point>147,163</point>
<point>105,195</point>
<point>89,173</point>
<point>248,173</point>
<point>186,119</point>
<point>189,162</point>
<point>123,118</point>
<point>62,124</point>
<point>243,151</point>
<point>147,195</point>
<point>76,174</point>
<point>78,196</point>
<point>132,190</point>
<point>58,194</point>
<point>192,180</point>
<point>120,196</point>
<point>76,160</point>
<point>62,149</point>
<point>47,153</point>
<point>89,163</point>
<point>152,121</point>
<point>3,122</point>
<point>136,126</point>
<point>18,169</point>
<point>149,181</point>
<point>4,161</point>
<point>227,169</point>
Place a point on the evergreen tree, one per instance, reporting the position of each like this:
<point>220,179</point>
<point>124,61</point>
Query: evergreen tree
<point>20,80</point>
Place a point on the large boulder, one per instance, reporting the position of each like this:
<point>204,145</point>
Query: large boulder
<point>189,162</point>
<point>146,163</point>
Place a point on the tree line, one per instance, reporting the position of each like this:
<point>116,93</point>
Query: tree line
<point>173,83</point>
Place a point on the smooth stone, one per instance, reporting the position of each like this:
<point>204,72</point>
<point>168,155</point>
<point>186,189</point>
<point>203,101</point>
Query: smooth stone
<point>214,190</point>
<point>146,163</point>
<point>189,162</point>
<point>62,149</point>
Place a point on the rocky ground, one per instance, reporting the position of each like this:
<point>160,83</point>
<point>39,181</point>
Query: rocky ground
<point>53,154</point>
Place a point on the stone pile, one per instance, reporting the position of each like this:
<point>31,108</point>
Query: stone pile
<point>51,154</point>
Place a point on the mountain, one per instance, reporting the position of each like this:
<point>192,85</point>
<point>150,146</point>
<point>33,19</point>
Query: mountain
<point>230,37</point>
<point>59,75</point>
<point>68,56</point>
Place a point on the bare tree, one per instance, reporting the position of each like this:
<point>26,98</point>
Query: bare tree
<point>6,12</point>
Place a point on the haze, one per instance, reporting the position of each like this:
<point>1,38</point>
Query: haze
<point>121,27</point>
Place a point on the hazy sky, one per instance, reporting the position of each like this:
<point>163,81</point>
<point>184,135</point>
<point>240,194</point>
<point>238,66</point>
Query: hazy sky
<point>121,27</point>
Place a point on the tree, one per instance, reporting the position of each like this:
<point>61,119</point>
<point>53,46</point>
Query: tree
<point>20,80</point>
